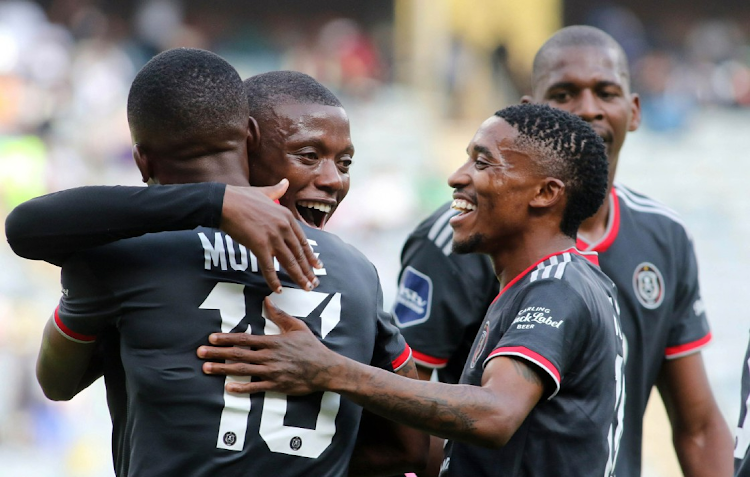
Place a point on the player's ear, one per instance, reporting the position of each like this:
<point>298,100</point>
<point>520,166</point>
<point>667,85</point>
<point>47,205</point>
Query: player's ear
<point>549,193</point>
<point>141,160</point>
<point>635,112</point>
<point>253,135</point>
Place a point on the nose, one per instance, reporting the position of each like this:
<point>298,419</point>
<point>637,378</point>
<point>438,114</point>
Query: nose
<point>329,177</point>
<point>460,177</point>
<point>588,107</point>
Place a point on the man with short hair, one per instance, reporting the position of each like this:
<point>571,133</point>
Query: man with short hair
<point>166,292</point>
<point>543,387</point>
<point>643,246</point>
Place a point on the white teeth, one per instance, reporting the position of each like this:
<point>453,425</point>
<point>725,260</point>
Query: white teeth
<point>463,205</point>
<point>325,208</point>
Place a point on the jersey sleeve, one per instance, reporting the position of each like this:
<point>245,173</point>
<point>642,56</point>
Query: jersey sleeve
<point>54,226</point>
<point>391,351</point>
<point>442,298</point>
<point>551,324</point>
<point>87,306</point>
<point>689,331</point>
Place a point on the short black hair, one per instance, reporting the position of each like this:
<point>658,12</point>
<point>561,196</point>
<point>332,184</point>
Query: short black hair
<point>575,36</point>
<point>186,93</point>
<point>267,90</point>
<point>567,148</point>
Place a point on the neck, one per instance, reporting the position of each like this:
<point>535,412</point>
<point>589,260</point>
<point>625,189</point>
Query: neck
<point>224,168</point>
<point>594,228</point>
<point>512,261</point>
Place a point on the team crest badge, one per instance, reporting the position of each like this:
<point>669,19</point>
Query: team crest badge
<point>648,284</point>
<point>481,343</point>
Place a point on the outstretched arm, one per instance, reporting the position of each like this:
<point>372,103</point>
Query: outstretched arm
<point>295,362</point>
<point>55,226</point>
<point>700,434</point>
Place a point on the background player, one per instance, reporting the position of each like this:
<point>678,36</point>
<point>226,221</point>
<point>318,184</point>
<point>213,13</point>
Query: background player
<point>545,378</point>
<point>643,247</point>
<point>143,267</point>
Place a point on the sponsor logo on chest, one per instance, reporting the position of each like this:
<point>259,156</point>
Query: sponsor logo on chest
<point>529,316</point>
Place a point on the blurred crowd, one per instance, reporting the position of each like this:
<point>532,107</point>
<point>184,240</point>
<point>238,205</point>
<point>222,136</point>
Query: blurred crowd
<point>65,70</point>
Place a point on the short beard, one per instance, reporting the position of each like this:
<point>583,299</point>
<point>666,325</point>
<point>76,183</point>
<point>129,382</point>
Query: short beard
<point>469,245</point>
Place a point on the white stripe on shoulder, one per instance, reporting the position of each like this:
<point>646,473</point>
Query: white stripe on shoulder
<point>440,223</point>
<point>647,209</point>
<point>448,247</point>
<point>642,200</point>
<point>446,236</point>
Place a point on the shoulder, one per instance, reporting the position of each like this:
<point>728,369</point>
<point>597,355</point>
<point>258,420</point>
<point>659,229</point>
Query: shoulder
<point>338,255</point>
<point>649,212</point>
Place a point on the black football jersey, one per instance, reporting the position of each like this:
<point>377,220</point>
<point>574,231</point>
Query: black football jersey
<point>646,252</point>
<point>441,296</point>
<point>166,293</point>
<point>742,440</point>
<point>560,316</point>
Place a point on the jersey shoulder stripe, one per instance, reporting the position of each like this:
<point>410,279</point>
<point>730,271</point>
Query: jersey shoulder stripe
<point>686,349</point>
<point>554,267</point>
<point>645,205</point>
<point>441,232</point>
<point>70,334</point>
<point>532,356</point>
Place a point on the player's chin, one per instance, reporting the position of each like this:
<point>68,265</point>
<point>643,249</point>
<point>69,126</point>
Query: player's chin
<point>471,243</point>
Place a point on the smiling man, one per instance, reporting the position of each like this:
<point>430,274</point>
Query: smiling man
<point>643,247</point>
<point>158,296</point>
<point>306,140</point>
<point>542,393</point>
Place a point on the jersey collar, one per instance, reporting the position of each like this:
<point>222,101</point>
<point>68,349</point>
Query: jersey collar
<point>592,257</point>
<point>613,227</point>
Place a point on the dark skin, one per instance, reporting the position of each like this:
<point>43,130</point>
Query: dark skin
<point>315,157</point>
<point>505,187</point>
<point>590,82</point>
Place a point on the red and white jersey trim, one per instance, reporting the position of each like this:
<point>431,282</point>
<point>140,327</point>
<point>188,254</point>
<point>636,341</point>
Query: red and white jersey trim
<point>70,334</point>
<point>679,351</point>
<point>529,355</point>
<point>558,263</point>
<point>428,361</point>
<point>610,233</point>
<point>402,359</point>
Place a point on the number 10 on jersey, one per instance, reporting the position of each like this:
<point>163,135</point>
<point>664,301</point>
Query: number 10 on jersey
<point>229,299</point>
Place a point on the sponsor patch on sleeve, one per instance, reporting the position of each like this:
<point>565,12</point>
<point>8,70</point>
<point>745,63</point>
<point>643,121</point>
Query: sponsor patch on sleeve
<point>414,298</point>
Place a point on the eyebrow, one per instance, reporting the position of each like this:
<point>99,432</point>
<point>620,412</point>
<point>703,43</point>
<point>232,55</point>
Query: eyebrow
<point>572,85</point>
<point>483,150</point>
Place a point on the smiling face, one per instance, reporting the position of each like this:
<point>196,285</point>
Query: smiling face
<point>589,81</point>
<point>310,145</point>
<point>492,190</point>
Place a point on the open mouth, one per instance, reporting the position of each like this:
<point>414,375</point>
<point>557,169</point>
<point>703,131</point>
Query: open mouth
<point>463,206</point>
<point>315,214</point>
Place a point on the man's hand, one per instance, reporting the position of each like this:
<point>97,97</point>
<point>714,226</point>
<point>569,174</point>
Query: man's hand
<point>294,362</point>
<point>269,230</point>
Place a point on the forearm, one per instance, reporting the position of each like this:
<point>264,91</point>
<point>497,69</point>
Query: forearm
<point>387,448</point>
<point>706,451</point>
<point>468,413</point>
<point>54,226</point>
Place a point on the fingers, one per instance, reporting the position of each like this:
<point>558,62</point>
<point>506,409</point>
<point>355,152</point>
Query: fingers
<point>284,321</point>
<point>275,192</point>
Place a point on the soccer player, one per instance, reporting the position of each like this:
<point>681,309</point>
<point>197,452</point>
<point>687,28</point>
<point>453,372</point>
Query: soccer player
<point>643,246</point>
<point>544,382</point>
<point>742,442</point>
<point>166,292</point>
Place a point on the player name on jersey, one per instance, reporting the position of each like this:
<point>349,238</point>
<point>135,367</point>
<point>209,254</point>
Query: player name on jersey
<point>222,253</point>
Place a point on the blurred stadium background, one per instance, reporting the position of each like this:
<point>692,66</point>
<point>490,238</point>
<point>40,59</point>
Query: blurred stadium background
<point>417,77</point>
